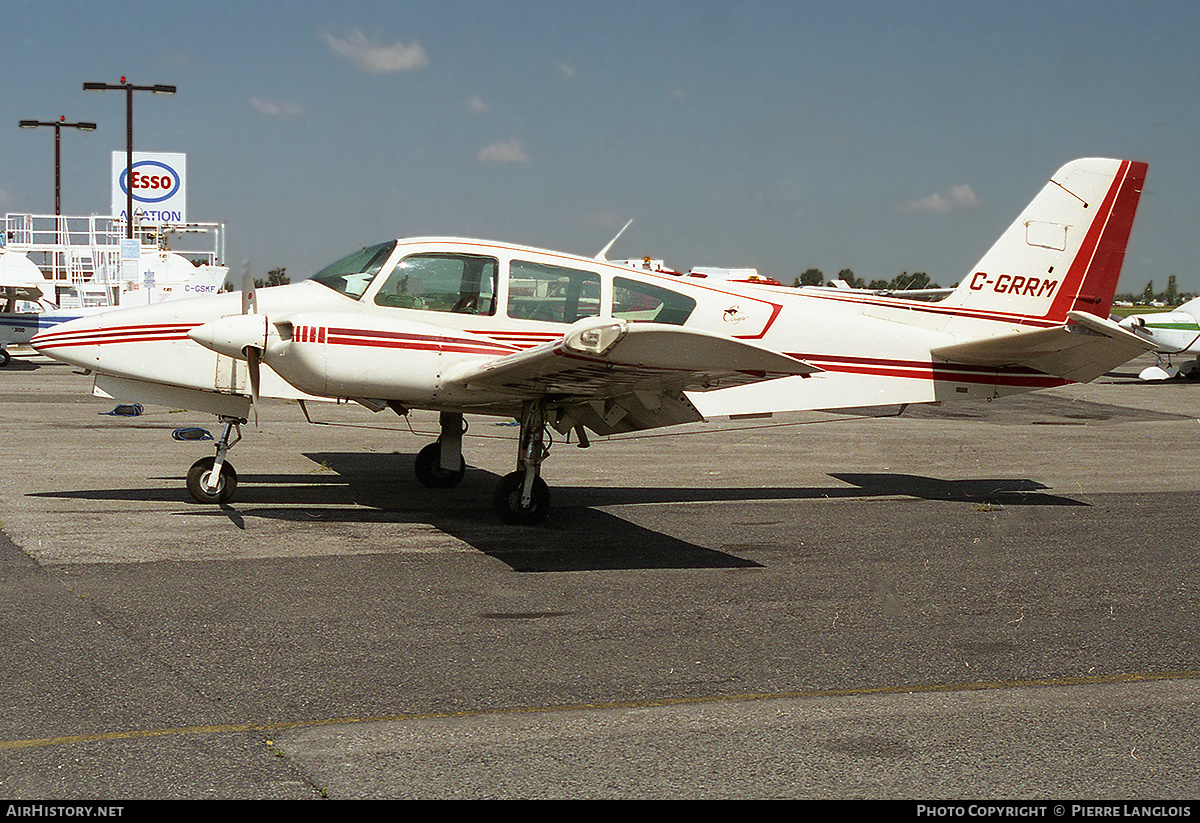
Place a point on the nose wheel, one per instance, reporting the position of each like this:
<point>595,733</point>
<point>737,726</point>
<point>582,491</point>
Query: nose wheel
<point>211,479</point>
<point>200,481</point>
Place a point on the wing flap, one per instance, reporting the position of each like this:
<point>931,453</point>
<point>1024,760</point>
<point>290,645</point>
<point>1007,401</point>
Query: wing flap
<point>615,376</point>
<point>1080,350</point>
<point>617,358</point>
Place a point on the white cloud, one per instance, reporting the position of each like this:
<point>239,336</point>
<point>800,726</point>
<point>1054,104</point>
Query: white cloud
<point>963,196</point>
<point>567,70</point>
<point>476,105</point>
<point>504,151</point>
<point>959,197</point>
<point>270,108</point>
<point>377,58</point>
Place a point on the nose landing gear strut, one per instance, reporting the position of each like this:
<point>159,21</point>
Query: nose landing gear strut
<point>211,479</point>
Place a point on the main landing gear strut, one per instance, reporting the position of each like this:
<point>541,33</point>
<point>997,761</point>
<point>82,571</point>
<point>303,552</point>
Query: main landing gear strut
<point>211,479</point>
<point>520,498</point>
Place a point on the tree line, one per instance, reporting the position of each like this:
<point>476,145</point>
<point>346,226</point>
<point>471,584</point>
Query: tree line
<point>904,280</point>
<point>1170,296</point>
<point>275,277</point>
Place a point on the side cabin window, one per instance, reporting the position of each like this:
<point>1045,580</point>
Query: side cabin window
<point>554,294</point>
<point>461,283</point>
<point>647,303</point>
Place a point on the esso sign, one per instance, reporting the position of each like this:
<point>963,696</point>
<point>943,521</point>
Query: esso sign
<point>153,181</point>
<point>157,183</point>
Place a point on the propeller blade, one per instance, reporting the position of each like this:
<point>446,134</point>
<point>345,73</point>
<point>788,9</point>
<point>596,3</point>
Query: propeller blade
<point>252,360</point>
<point>249,296</point>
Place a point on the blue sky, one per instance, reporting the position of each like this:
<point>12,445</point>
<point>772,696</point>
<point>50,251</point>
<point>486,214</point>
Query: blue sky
<point>877,136</point>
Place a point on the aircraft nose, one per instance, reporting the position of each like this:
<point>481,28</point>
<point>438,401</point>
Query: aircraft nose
<point>74,342</point>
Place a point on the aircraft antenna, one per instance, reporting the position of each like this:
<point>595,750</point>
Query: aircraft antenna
<point>604,250</point>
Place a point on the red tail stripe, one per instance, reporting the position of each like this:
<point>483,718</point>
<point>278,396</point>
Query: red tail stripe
<point>1091,279</point>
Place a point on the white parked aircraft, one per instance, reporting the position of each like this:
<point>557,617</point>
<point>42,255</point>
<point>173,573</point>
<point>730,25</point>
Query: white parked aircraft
<point>26,307</point>
<point>21,287</point>
<point>1176,338</point>
<point>575,343</point>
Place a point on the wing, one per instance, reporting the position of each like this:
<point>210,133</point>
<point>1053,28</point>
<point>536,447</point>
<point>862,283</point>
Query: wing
<point>619,376</point>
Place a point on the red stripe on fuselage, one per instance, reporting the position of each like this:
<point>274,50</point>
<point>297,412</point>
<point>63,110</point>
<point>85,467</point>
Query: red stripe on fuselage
<point>417,342</point>
<point>114,334</point>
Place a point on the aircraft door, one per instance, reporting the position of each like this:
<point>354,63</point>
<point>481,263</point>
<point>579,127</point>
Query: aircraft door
<point>552,294</point>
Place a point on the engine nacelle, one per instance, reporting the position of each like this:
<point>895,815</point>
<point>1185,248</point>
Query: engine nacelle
<point>362,356</point>
<point>233,335</point>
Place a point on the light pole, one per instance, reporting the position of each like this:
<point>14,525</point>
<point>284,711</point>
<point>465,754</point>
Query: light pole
<point>59,125</point>
<point>129,89</point>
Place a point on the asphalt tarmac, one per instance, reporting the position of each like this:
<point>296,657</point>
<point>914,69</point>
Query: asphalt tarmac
<point>989,600</point>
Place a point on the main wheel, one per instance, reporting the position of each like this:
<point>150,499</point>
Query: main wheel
<point>4,357</point>
<point>197,479</point>
<point>506,500</point>
<point>430,472</point>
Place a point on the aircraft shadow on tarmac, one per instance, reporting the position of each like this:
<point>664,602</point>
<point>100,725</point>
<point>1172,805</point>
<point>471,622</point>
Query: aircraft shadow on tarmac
<point>21,364</point>
<point>580,535</point>
<point>366,488</point>
<point>576,536</point>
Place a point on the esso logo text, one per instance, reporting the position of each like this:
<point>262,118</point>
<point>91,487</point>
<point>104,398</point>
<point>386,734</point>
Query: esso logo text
<point>153,181</point>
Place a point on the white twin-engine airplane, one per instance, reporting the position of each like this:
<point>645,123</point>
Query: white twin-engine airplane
<point>575,343</point>
<point>1176,339</point>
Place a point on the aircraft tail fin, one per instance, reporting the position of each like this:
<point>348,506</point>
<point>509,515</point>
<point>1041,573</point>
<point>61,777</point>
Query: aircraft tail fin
<point>1063,254</point>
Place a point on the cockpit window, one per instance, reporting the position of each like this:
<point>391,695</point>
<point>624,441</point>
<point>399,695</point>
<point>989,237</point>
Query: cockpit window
<point>647,303</point>
<point>554,294</point>
<point>460,283</point>
<point>352,273</point>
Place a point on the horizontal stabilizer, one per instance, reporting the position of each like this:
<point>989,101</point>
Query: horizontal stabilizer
<point>1081,350</point>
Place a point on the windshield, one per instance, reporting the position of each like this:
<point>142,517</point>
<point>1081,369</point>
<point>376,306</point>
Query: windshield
<point>352,273</point>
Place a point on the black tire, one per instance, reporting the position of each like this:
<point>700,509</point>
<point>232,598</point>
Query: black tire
<point>506,500</point>
<point>429,469</point>
<point>198,474</point>
<point>5,357</point>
